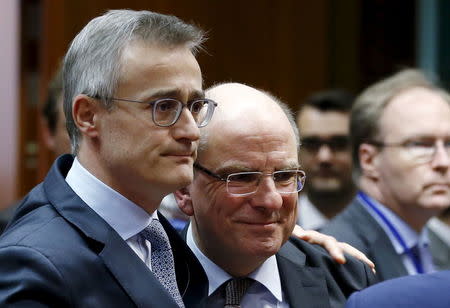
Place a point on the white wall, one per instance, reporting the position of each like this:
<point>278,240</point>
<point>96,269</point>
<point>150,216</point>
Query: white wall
<point>9,98</point>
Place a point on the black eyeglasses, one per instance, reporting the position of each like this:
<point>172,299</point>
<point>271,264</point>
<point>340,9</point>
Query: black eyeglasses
<point>335,143</point>
<point>246,183</point>
<point>167,111</point>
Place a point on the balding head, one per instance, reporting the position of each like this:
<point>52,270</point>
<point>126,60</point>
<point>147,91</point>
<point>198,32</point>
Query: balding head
<point>251,132</point>
<point>242,108</point>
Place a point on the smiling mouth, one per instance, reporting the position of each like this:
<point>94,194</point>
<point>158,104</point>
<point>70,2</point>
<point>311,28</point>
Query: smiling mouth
<point>439,184</point>
<point>265,223</point>
<point>190,154</point>
<point>439,187</point>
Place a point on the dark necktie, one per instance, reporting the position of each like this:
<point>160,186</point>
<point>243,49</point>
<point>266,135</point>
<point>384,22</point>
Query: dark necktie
<point>415,251</point>
<point>235,290</point>
<point>163,266</point>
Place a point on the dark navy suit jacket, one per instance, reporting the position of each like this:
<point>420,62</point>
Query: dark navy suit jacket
<point>57,252</point>
<point>358,228</point>
<point>418,291</point>
<point>310,278</point>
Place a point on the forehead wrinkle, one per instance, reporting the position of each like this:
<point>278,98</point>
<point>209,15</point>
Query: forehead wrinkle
<point>258,153</point>
<point>428,115</point>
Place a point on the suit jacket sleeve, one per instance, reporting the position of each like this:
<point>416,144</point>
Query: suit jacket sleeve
<point>38,284</point>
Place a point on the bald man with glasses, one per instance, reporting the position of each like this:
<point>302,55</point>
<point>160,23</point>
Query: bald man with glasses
<point>243,203</point>
<point>400,133</point>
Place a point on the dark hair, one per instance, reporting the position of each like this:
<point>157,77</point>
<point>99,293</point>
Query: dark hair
<point>50,108</point>
<point>330,100</point>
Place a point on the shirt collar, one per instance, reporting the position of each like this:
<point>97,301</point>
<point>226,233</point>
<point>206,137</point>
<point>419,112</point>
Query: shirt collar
<point>409,236</point>
<point>217,276</point>
<point>124,216</point>
<point>440,228</point>
<point>309,217</point>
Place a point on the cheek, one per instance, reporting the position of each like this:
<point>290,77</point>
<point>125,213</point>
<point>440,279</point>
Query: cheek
<point>289,211</point>
<point>404,181</point>
<point>344,159</point>
<point>211,202</point>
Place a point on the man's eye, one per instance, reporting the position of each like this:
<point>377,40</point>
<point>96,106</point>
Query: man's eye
<point>165,106</point>
<point>243,177</point>
<point>419,144</point>
<point>339,143</point>
<point>197,106</point>
<point>284,176</point>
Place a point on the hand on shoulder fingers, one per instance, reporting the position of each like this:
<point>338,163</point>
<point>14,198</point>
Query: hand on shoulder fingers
<point>335,249</point>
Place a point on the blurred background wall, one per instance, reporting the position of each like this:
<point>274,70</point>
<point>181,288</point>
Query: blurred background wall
<point>288,47</point>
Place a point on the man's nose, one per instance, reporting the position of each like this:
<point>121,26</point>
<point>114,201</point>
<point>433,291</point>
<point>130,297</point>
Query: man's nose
<point>441,159</point>
<point>324,153</point>
<point>267,196</point>
<point>186,127</point>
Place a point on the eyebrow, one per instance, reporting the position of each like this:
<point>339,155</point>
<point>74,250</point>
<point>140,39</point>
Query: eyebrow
<point>176,93</point>
<point>425,137</point>
<point>225,170</point>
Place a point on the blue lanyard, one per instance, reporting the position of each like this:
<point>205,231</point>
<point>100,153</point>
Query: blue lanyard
<point>414,259</point>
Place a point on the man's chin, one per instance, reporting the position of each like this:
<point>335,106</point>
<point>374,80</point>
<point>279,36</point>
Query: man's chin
<point>438,203</point>
<point>177,180</point>
<point>325,185</point>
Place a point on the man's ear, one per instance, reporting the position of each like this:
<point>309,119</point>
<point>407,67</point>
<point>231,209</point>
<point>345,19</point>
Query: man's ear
<point>368,155</point>
<point>84,112</point>
<point>184,200</point>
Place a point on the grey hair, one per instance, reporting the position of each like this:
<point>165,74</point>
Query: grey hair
<point>93,66</point>
<point>370,104</point>
<point>204,133</point>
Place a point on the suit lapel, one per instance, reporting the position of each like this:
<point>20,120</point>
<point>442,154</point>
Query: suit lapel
<point>388,263</point>
<point>127,268</point>
<point>304,286</point>
<point>191,277</point>
<point>133,275</point>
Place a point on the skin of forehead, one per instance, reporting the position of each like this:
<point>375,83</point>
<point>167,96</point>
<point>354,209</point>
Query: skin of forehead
<point>424,105</point>
<point>244,109</point>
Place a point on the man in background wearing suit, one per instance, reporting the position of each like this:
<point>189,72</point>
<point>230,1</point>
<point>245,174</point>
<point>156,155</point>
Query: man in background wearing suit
<point>89,235</point>
<point>324,120</point>
<point>418,291</point>
<point>439,234</point>
<point>243,203</point>
<point>400,131</point>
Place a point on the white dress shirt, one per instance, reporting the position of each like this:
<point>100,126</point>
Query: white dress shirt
<point>265,292</point>
<point>441,229</point>
<point>409,236</point>
<point>308,216</point>
<point>124,216</point>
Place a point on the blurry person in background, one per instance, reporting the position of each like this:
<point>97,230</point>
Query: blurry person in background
<point>323,120</point>
<point>54,122</point>
<point>439,234</point>
<point>400,134</point>
<point>54,131</point>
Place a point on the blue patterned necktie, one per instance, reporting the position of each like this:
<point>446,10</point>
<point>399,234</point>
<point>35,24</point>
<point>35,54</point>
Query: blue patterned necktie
<point>235,290</point>
<point>163,266</point>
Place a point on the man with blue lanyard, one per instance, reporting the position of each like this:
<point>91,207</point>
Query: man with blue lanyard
<point>400,133</point>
